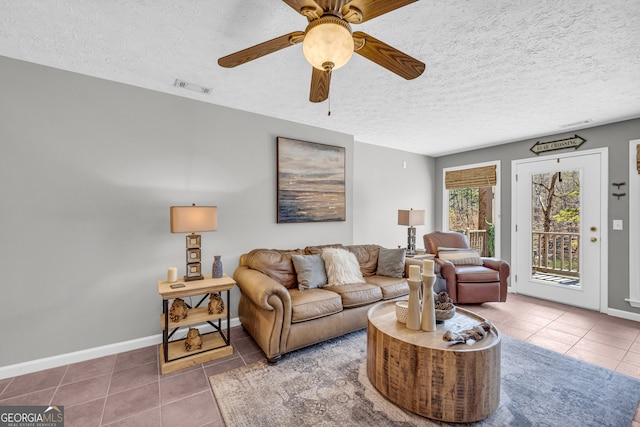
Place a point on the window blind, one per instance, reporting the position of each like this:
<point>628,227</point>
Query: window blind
<point>484,176</point>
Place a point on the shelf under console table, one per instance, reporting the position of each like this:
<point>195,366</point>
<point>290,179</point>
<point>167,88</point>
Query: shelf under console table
<point>215,344</point>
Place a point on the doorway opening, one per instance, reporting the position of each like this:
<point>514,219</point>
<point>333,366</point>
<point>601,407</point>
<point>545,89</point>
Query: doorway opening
<point>559,237</point>
<point>471,202</point>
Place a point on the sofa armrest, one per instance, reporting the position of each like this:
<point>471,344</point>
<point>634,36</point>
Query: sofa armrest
<point>447,270</point>
<point>264,310</point>
<point>496,264</point>
<point>408,262</point>
<point>503,269</point>
<point>259,288</point>
<point>416,260</point>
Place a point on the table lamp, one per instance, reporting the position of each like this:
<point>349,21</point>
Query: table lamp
<point>193,219</point>
<point>411,218</point>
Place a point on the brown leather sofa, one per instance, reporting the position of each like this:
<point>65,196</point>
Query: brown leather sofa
<point>282,318</point>
<point>466,283</point>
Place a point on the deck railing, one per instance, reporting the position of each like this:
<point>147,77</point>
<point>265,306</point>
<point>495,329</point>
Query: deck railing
<point>560,250</point>
<point>556,253</point>
<point>478,240</point>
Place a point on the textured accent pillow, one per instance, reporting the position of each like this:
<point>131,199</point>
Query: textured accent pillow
<point>367,256</point>
<point>460,256</point>
<point>310,271</point>
<point>342,267</point>
<point>391,262</point>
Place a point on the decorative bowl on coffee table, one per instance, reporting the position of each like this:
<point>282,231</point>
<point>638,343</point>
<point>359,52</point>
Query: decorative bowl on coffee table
<point>402,308</point>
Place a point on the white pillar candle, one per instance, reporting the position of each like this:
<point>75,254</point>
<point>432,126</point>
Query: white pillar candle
<point>172,274</point>
<point>414,272</point>
<point>427,267</point>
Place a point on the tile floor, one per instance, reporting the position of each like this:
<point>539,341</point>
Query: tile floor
<point>127,389</point>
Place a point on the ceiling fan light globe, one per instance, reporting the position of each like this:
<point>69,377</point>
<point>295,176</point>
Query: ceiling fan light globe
<point>328,40</point>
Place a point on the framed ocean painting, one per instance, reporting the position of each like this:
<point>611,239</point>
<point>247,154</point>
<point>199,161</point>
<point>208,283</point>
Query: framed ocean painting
<point>311,181</point>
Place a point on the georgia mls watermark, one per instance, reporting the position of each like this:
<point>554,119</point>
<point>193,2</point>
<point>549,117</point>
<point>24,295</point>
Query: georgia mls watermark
<point>31,416</point>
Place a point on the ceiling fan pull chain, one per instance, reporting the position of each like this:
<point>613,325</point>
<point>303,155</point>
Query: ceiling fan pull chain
<point>329,101</point>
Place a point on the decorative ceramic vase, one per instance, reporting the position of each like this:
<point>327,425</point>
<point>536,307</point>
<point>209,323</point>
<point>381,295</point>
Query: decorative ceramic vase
<point>216,270</point>
<point>428,304</point>
<point>413,312</point>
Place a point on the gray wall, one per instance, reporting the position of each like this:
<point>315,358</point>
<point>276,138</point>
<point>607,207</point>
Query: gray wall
<point>384,186</point>
<point>88,170</point>
<point>614,136</point>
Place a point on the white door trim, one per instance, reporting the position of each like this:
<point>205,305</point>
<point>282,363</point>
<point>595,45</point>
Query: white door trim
<point>496,200</point>
<point>604,219</point>
<point>634,227</point>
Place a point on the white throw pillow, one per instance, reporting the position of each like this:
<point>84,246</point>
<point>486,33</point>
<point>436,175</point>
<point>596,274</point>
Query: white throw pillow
<point>341,266</point>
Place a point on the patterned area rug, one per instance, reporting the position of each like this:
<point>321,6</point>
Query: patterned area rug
<point>327,385</point>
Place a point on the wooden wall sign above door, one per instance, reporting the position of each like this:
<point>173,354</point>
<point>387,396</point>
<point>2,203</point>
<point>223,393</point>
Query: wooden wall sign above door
<point>541,147</point>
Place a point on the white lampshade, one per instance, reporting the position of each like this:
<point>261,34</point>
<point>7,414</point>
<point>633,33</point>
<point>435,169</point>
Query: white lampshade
<point>411,217</point>
<point>193,219</point>
<point>328,43</point>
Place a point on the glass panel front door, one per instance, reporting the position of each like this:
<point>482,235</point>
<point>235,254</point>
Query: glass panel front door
<point>559,215</point>
<point>555,227</point>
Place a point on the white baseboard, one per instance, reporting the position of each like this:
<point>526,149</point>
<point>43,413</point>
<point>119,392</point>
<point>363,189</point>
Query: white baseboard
<point>90,353</point>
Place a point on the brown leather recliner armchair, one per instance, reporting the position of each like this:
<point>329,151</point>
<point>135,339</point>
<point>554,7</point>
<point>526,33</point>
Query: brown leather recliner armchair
<point>468,284</point>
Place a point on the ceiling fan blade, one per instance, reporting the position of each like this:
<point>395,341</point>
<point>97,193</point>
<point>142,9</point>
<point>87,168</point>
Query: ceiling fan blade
<point>320,81</point>
<point>308,8</point>
<point>262,49</point>
<point>388,57</point>
<point>369,9</point>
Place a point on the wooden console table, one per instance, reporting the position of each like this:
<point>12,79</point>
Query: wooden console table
<point>420,372</point>
<point>215,344</point>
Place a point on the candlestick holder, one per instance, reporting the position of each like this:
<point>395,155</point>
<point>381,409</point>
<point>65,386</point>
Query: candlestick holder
<point>413,312</point>
<point>428,304</point>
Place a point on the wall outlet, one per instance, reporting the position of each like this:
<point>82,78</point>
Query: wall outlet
<point>617,224</point>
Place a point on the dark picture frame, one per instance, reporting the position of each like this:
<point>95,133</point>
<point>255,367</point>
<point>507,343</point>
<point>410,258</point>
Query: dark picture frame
<point>311,181</point>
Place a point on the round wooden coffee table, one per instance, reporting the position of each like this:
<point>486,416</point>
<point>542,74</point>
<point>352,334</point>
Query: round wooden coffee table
<point>421,373</point>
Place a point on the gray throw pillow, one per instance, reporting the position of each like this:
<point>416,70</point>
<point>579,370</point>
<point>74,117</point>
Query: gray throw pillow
<point>310,271</point>
<point>391,262</point>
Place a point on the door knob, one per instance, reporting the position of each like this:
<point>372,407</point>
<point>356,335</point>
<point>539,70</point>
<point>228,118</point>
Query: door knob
<point>593,239</point>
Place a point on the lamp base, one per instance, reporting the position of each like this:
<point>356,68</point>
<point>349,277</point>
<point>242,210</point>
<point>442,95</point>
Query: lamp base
<point>193,267</point>
<point>194,272</point>
<point>411,241</point>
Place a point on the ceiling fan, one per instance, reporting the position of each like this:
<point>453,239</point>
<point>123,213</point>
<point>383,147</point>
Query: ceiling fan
<point>328,42</point>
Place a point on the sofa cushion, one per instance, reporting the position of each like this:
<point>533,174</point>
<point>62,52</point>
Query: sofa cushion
<point>459,256</point>
<point>342,267</point>
<point>356,294</point>
<point>367,256</point>
<point>476,274</point>
<point>310,271</point>
<point>391,287</point>
<point>313,303</point>
<point>391,262</point>
<point>275,263</point>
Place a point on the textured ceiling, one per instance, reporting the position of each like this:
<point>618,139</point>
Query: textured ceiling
<point>497,70</point>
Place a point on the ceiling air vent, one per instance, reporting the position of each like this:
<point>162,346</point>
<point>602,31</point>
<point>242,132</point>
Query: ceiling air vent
<point>191,86</point>
<point>580,123</point>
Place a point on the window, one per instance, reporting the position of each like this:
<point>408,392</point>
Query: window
<point>470,194</point>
